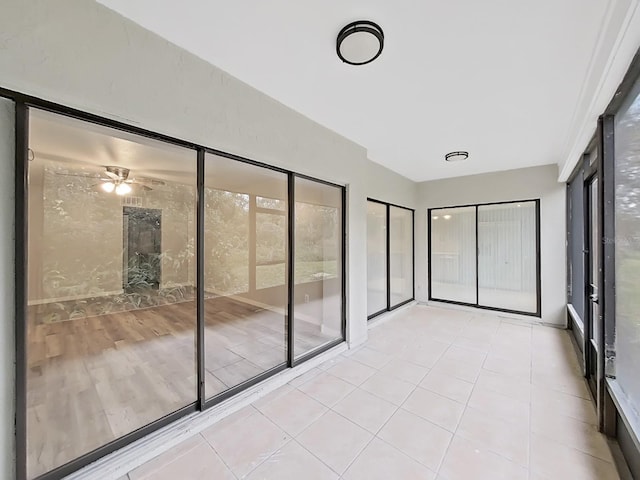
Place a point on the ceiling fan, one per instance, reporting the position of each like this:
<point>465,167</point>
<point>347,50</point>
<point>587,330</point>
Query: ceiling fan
<point>116,179</point>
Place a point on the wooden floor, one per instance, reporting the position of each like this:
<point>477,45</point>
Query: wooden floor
<point>94,379</point>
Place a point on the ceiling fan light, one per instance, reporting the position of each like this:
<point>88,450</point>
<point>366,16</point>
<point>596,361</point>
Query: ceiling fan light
<point>108,187</point>
<point>123,189</point>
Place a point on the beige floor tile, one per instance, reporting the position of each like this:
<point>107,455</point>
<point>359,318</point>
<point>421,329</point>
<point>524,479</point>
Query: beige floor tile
<point>442,411</point>
<point>556,461</point>
<point>464,371</point>
<point>246,443</point>
<point>277,393</point>
<point>407,371</point>
<point>335,440</point>
<point>327,389</point>
<point>425,354</point>
<point>552,401</point>
<point>471,344</point>
<point>292,462</point>
<point>570,432</point>
<point>388,388</point>
<point>467,460</point>
<point>509,386</point>
<point>372,358</point>
<point>448,386</point>
<point>574,385</point>
<point>464,355</point>
<point>507,439</point>
<point>508,366</point>
<point>352,371</point>
<point>499,405</point>
<point>381,461</point>
<point>294,411</point>
<point>365,409</point>
<point>421,440</point>
<point>199,463</point>
<point>305,377</point>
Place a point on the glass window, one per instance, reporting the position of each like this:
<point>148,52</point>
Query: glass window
<point>627,249</point>
<point>318,265</point>
<point>111,316</point>
<point>245,272</point>
<point>400,255</point>
<point>507,277</point>
<point>453,254</point>
<point>376,257</point>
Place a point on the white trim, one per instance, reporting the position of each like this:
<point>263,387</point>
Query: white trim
<point>582,129</point>
<point>128,458</point>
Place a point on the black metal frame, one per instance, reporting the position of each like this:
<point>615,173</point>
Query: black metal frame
<point>360,26</point>
<point>22,104</point>
<point>538,312</point>
<point>390,307</point>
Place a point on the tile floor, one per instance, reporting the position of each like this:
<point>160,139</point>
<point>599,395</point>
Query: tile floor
<point>434,394</point>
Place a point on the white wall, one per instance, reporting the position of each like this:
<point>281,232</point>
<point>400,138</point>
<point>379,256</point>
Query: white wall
<point>83,55</point>
<point>387,186</point>
<point>7,282</point>
<point>521,184</point>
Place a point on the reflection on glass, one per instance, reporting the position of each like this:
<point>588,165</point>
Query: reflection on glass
<point>245,272</point>
<point>318,263</point>
<point>376,257</point>
<point>111,280</point>
<point>453,254</point>
<point>627,255</point>
<point>400,254</point>
<point>507,276</point>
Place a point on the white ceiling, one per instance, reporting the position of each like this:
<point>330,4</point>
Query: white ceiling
<point>499,78</point>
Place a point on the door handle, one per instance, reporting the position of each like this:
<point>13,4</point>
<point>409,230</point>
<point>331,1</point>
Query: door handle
<point>594,298</point>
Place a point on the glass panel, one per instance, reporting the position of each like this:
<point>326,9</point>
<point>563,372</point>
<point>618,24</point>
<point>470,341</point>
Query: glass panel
<point>400,254</point>
<point>245,323</point>
<point>507,275</point>
<point>453,254</point>
<point>111,284</point>
<point>627,252</point>
<point>318,265</point>
<point>576,245</point>
<point>376,257</point>
<point>271,249</point>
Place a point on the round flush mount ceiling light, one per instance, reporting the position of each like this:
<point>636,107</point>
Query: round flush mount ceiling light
<point>360,42</point>
<point>456,156</point>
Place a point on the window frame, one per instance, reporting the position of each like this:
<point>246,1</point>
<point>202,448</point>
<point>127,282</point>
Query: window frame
<point>538,312</point>
<point>389,307</point>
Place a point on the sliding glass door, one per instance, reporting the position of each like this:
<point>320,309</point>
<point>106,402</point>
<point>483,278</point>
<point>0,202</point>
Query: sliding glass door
<point>486,256</point>
<point>390,257</point>
<point>111,311</point>
<point>156,279</point>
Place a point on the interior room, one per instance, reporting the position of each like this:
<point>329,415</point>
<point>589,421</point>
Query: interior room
<point>334,241</point>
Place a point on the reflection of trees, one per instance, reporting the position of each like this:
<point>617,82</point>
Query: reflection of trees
<point>627,247</point>
<point>226,241</point>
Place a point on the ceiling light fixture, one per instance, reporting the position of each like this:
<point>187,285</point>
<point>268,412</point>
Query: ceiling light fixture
<point>447,217</point>
<point>108,187</point>
<point>456,156</point>
<point>123,189</point>
<point>360,42</point>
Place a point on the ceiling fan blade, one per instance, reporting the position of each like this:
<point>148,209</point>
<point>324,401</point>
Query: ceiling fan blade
<point>112,175</point>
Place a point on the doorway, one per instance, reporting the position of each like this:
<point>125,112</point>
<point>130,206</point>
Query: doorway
<point>142,246</point>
